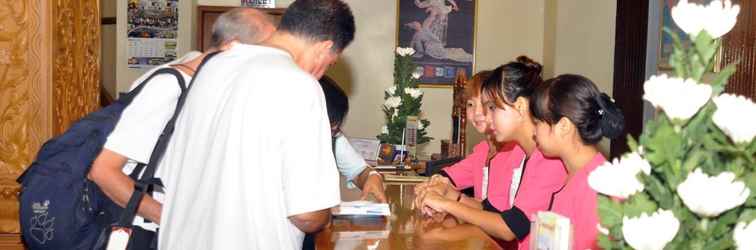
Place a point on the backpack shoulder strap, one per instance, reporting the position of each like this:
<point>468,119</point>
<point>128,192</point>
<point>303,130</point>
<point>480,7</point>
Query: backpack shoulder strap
<point>168,70</point>
<point>148,178</point>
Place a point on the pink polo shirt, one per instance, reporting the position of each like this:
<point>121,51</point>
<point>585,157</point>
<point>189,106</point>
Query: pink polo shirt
<point>578,201</point>
<point>469,172</point>
<point>541,178</point>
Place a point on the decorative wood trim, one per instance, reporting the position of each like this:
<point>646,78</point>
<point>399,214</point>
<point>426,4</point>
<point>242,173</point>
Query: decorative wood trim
<point>76,66</point>
<point>629,67</point>
<point>25,112</point>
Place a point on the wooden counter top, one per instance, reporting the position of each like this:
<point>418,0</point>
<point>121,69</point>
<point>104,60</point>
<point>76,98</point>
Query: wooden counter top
<point>405,229</point>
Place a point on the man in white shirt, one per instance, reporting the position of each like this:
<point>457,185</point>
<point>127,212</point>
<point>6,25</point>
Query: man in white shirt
<point>250,165</point>
<point>141,123</point>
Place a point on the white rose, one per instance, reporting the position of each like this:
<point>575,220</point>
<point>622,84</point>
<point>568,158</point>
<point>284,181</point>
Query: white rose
<point>680,99</point>
<point>384,129</point>
<point>745,235</point>
<point>717,18</point>
<point>732,117</point>
<point>392,102</point>
<point>650,232</point>
<point>710,196</point>
<point>416,75</point>
<point>413,92</point>
<point>400,51</point>
<point>405,51</point>
<point>619,177</point>
<point>395,114</point>
<point>391,90</point>
<point>411,51</point>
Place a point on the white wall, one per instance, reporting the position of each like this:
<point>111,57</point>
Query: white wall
<point>505,29</point>
<point>584,42</point>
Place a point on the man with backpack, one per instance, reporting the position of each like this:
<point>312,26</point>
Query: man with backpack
<point>141,123</point>
<point>250,164</point>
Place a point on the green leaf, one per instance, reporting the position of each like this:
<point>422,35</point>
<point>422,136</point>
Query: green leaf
<point>720,81</point>
<point>750,181</point>
<point>638,204</point>
<point>705,48</point>
<point>631,143</point>
<point>658,191</point>
<point>725,242</point>
<point>605,243</point>
<point>678,57</point>
<point>609,211</point>
<point>693,160</point>
<point>725,222</point>
<point>747,215</point>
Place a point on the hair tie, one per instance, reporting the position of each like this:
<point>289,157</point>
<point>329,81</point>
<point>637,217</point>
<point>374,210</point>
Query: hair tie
<point>601,112</point>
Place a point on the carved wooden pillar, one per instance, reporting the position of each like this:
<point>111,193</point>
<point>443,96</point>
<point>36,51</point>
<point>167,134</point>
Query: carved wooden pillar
<point>49,74</point>
<point>459,116</point>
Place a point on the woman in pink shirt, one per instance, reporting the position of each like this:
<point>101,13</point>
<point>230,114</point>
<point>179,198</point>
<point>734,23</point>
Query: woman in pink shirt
<point>506,100</point>
<point>484,161</point>
<point>572,116</point>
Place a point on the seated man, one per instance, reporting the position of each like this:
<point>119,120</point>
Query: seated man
<point>141,123</point>
<point>350,163</point>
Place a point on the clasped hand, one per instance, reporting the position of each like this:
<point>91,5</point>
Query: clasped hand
<point>432,196</point>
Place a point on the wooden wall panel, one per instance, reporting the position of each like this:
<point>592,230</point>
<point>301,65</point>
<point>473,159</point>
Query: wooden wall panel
<point>24,96</point>
<point>49,73</point>
<point>76,65</point>
<point>740,46</point>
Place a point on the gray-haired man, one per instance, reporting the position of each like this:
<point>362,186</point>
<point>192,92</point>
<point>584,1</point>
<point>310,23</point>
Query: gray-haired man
<point>141,123</point>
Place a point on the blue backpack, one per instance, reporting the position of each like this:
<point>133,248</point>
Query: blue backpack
<point>59,207</point>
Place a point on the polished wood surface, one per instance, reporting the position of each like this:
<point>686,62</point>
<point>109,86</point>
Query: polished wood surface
<point>404,229</point>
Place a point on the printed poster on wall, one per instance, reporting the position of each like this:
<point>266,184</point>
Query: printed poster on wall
<point>259,3</point>
<point>442,32</point>
<point>152,32</point>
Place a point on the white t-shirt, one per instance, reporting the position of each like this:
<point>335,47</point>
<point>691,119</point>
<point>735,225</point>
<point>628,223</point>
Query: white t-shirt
<point>141,123</point>
<point>348,160</point>
<point>251,148</point>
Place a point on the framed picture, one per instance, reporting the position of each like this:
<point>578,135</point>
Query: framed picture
<point>442,32</point>
<point>666,44</point>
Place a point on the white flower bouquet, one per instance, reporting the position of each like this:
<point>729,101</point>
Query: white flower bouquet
<point>691,181</point>
<point>403,99</point>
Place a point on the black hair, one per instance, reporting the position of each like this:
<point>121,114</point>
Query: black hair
<point>336,99</point>
<point>320,20</point>
<point>576,97</point>
<point>512,80</point>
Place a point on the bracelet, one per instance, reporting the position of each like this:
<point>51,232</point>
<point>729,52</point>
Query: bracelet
<point>459,198</point>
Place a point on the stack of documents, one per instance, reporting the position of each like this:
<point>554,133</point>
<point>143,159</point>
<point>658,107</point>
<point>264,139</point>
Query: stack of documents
<point>363,208</point>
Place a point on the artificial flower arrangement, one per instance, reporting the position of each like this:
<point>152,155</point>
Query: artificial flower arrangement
<point>690,181</point>
<point>403,99</point>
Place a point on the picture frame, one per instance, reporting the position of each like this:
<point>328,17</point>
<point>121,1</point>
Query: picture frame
<point>443,34</point>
